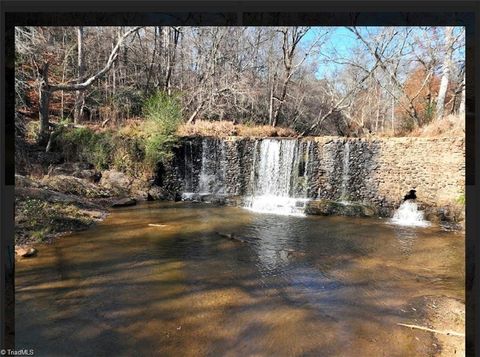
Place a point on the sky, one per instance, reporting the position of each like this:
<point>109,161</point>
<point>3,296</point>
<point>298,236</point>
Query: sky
<point>339,38</point>
<point>343,41</point>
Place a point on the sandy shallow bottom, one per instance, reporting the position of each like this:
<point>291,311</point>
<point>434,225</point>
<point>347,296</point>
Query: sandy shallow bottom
<point>159,279</point>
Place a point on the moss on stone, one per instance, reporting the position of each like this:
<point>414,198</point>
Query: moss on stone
<point>329,207</point>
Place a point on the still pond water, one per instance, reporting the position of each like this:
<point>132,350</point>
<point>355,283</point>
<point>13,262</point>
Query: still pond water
<point>291,286</point>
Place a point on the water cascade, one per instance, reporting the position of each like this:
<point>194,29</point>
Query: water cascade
<point>278,168</point>
<point>408,214</point>
<point>188,163</point>
<point>345,173</point>
<point>210,174</point>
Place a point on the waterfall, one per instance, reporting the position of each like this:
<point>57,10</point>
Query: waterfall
<point>345,173</point>
<point>275,178</point>
<point>408,214</point>
<point>188,165</point>
<point>308,168</point>
<point>211,174</point>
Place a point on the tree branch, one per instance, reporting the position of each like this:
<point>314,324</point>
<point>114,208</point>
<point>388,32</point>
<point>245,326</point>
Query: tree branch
<point>111,59</point>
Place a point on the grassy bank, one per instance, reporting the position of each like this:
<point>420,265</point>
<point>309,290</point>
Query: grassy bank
<point>39,221</point>
<point>53,198</point>
<point>227,128</point>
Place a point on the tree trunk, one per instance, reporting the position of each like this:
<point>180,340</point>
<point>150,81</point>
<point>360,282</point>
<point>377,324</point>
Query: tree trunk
<point>193,117</point>
<point>152,62</point>
<point>461,109</point>
<point>282,98</point>
<point>171,54</point>
<point>79,97</point>
<point>393,115</point>
<point>446,73</point>
<point>45,89</point>
<point>270,106</point>
<point>43,104</point>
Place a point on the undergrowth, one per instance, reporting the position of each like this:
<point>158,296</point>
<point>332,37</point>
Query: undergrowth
<point>449,126</point>
<point>36,220</point>
<point>134,149</point>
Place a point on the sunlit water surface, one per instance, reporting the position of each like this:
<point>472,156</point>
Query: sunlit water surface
<point>320,286</point>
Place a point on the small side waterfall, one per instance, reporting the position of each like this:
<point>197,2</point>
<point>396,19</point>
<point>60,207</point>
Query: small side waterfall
<point>188,163</point>
<point>345,173</point>
<point>408,214</point>
<point>275,175</point>
<point>210,173</point>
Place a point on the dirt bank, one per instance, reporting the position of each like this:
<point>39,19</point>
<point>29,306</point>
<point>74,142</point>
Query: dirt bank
<point>43,214</point>
<point>69,197</point>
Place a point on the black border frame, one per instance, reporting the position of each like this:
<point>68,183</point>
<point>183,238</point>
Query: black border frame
<point>245,13</point>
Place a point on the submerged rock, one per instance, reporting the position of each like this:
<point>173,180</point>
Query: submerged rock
<point>295,254</point>
<point>235,201</point>
<point>236,237</point>
<point>125,202</point>
<point>328,208</point>
<point>215,199</point>
<point>26,252</point>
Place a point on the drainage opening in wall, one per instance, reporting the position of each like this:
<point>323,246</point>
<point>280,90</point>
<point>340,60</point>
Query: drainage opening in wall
<point>411,195</point>
<point>408,213</point>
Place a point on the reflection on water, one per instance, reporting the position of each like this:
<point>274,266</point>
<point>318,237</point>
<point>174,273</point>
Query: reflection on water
<point>406,237</point>
<point>323,286</point>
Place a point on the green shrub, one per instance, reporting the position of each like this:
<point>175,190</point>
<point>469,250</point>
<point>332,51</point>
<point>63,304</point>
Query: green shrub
<point>163,116</point>
<point>102,147</point>
<point>429,112</point>
<point>84,144</point>
<point>133,150</point>
<point>129,154</point>
<point>40,235</point>
<point>461,199</point>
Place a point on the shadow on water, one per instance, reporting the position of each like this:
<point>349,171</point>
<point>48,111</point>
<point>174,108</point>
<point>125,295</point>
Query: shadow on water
<point>295,286</point>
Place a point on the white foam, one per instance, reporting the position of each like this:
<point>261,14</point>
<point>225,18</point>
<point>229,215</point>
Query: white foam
<point>281,205</point>
<point>188,196</point>
<point>408,214</point>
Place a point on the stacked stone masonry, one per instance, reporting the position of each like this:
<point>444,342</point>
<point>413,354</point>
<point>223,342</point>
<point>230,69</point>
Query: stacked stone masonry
<point>380,170</point>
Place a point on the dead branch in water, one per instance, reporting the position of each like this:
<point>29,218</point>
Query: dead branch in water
<point>448,333</point>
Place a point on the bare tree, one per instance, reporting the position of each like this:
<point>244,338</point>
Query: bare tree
<point>386,79</point>
<point>80,98</point>
<point>46,89</point>
<point>449,40</point>
<point>172,36</point>
<point>291,38</point>
<point>339,104</point>
<point>379,49</point>
<point>461,109</point>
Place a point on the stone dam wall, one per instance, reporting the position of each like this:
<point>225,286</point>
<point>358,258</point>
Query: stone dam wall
<point>374,172</point>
